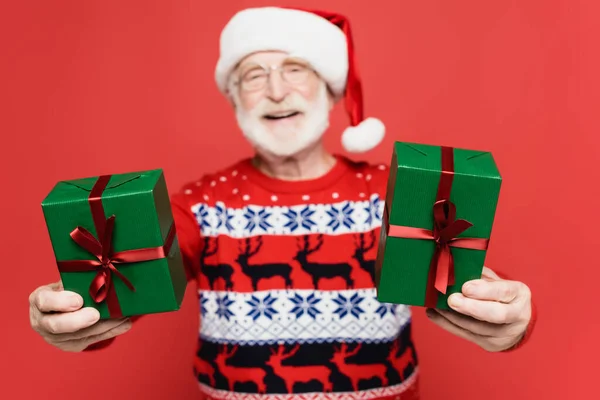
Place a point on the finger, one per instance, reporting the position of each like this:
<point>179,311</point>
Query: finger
<point>116,331</point>
<point>487,273</point>
<point>502,291</point>
<point>56,285</point>
<point>489,343</point>
<point>51,299</point>
<point>68,322</point>
<point>98,328</point>
<point>490,311</point>
<point>446,324</point>
<point>470,324</point>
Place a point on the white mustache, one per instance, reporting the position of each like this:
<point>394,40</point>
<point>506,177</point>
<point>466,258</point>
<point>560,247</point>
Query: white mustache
<point>285,140</point>
<point>294,102</point>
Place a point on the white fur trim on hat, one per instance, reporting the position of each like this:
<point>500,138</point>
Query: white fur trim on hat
<point>364,136</point>
<point>299,33</point>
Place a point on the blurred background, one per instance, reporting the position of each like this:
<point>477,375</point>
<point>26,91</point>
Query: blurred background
<point>97,87</point>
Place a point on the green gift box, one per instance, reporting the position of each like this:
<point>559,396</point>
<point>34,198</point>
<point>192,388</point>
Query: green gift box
<point>115,243</point>
<point>439,211</point>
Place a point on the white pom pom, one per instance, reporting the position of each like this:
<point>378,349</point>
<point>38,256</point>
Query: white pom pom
<point>364,136</point>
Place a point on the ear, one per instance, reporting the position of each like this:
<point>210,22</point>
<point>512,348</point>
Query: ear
<point>230,92</point>
<point>330,99</point>
<point>231,101</point>
<point>231,97</point>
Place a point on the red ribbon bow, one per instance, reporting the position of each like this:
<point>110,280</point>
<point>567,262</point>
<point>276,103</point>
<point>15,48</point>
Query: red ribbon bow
<point>105,264</point>
<point>102,286</point>
<point>446,228</point>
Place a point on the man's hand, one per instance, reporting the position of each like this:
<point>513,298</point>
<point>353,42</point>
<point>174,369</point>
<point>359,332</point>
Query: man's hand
<point>491,312</point>
<point>57,316</point>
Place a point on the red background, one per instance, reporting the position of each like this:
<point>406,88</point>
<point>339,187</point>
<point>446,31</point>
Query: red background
<point>91,87</point>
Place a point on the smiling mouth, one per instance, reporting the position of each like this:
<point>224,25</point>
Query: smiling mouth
<point>283,115</point>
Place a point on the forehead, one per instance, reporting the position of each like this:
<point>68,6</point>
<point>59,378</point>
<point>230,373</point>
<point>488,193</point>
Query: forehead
<point>264,58</point>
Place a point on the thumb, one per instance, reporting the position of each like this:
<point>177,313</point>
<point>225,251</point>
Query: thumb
<point>56,286</point>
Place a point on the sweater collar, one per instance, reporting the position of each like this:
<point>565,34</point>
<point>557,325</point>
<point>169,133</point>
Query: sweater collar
<point>295,186</point>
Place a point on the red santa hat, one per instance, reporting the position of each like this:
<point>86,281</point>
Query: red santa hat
<point>321,38</point>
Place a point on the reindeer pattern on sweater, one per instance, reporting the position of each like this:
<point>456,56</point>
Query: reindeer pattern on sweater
<point>285,279</point>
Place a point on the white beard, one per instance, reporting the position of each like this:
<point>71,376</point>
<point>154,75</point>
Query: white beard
<point>286,141</point>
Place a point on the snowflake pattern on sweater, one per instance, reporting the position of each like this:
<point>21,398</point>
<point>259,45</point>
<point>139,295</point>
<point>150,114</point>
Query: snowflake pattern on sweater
<point>284,274</point>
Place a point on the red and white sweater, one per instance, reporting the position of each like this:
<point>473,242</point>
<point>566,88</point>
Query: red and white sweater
<point>284,274</point>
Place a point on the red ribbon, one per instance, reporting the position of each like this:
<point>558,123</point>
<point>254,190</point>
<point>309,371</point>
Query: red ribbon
<point>446,228</point>
<point>102,287</point>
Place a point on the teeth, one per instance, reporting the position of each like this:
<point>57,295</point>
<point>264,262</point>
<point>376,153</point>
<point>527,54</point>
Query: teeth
<point>282,115</point>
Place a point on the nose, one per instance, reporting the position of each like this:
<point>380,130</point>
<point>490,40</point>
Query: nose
<point>277,90</point>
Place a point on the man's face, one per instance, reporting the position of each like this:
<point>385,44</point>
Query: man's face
<point>282,112</point>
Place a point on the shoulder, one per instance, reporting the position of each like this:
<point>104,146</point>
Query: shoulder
<point>375,174</point>
<point>211,187</point>
<point>375,169</point>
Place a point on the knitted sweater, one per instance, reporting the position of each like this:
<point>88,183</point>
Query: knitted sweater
<point>284,274</point>
<point>284,277</point>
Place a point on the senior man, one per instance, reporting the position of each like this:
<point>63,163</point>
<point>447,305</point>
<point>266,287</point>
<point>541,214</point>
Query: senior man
<point>280,246</point>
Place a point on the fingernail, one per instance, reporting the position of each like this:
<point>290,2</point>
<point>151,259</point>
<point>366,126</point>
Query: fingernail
<point>471,286</point>
<point>75,300</point>
<point>455,300</point>
<point>92,315</point>
<point>468,288</point>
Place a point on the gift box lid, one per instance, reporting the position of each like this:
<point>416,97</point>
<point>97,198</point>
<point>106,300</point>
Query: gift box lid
<point>428,157</point>
<point>119,184</point>
<point>414,182</point>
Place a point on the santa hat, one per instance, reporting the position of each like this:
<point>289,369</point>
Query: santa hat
<point>321,38</point>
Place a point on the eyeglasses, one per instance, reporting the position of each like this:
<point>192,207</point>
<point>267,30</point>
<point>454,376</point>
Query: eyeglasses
<point>256,76</point>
